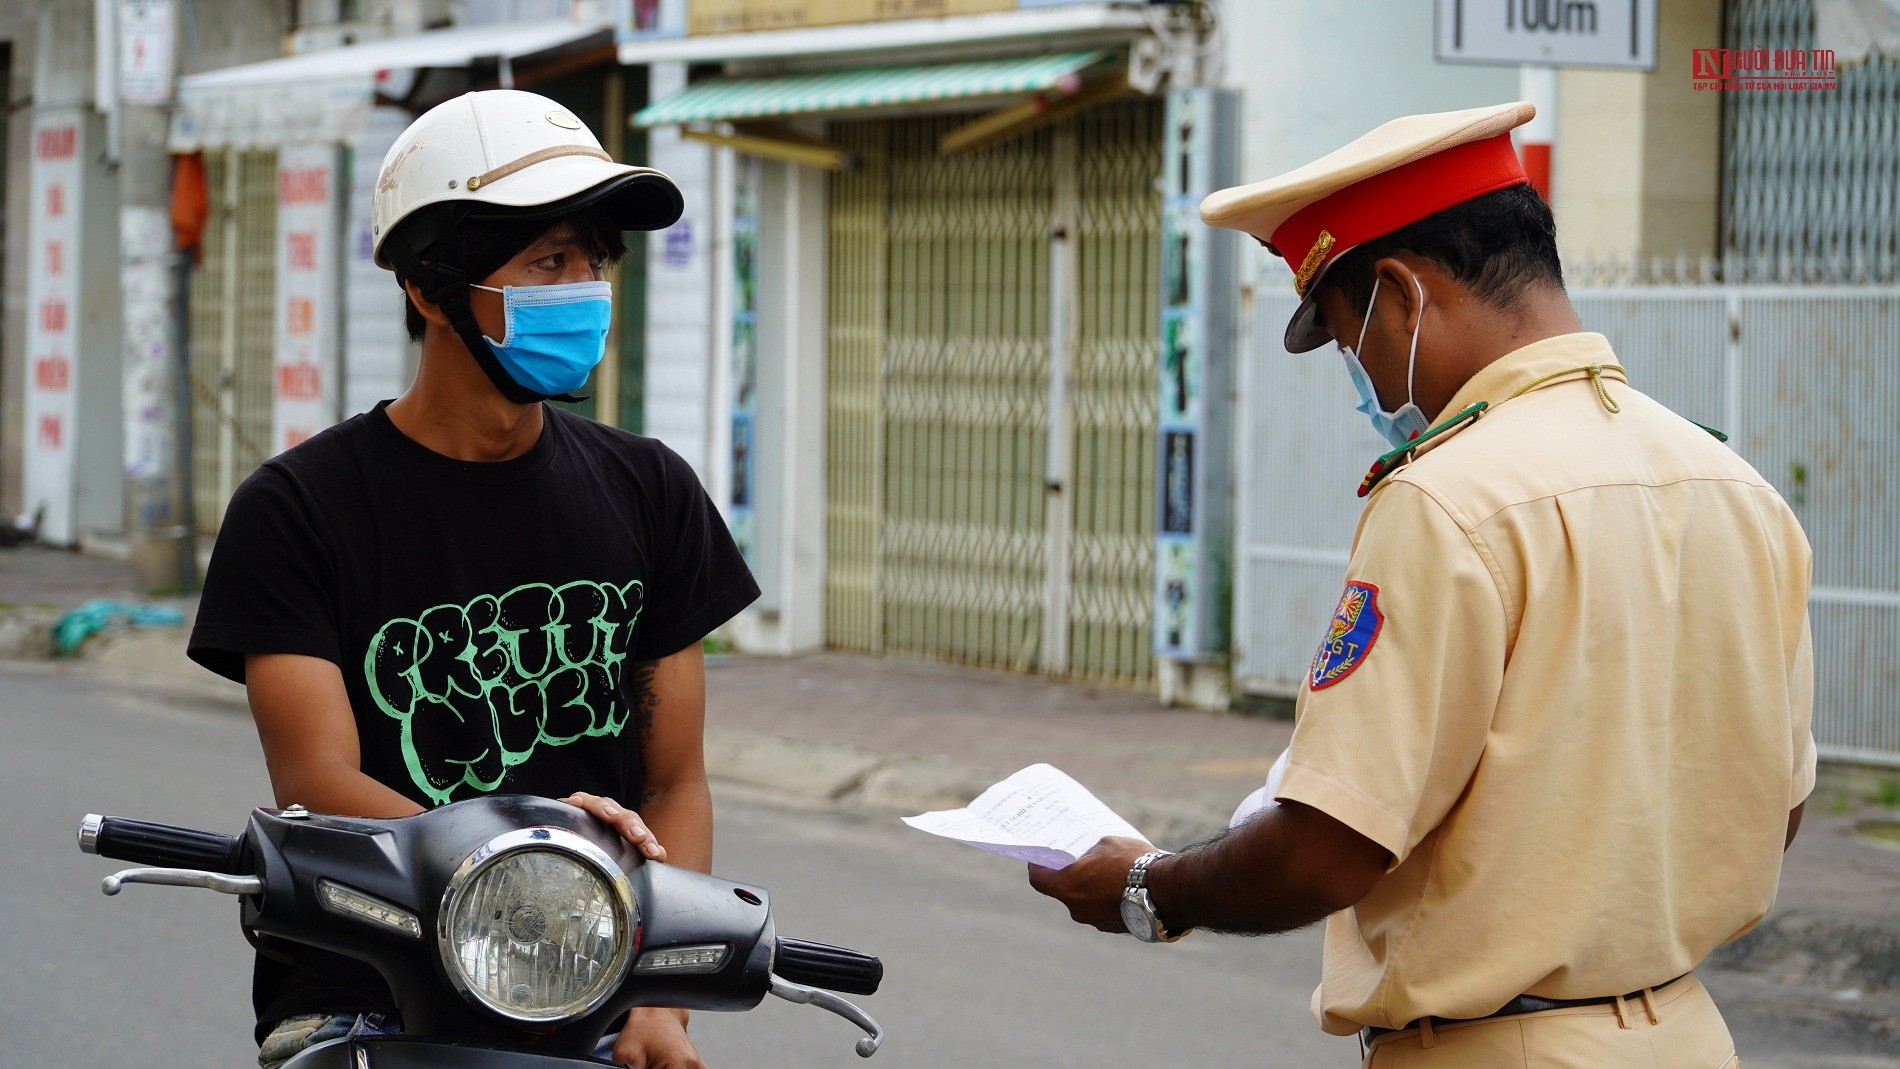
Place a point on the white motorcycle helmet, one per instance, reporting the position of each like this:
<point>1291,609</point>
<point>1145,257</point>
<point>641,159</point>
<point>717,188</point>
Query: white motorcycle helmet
<point>503,155</point>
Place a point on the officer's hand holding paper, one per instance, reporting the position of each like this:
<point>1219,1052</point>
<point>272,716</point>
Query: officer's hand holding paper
<point>1039,815</point>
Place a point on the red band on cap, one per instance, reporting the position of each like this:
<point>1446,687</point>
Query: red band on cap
<point>1376,206</point>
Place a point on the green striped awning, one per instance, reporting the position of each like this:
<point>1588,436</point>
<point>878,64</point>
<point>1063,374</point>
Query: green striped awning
<point>717,99</point>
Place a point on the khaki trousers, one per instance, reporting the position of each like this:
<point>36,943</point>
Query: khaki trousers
<point>1675,1027</point>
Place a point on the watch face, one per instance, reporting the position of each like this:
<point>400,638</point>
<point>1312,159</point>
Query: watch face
<point>1135,919</point>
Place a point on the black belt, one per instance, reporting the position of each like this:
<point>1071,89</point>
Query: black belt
<point>1518,1005</point>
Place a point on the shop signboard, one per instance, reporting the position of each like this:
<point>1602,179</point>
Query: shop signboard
<point>52,323</point>
<point>671,18</point>
<point>303,399</point>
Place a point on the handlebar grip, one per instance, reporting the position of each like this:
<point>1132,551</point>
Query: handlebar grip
<point>164,845</point>
<point>832,968</point>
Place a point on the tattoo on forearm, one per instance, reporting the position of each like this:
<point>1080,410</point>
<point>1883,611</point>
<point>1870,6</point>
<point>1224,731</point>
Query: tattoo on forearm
<point>644,699</point>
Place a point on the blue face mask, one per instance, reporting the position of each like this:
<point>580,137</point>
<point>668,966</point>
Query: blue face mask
<point>1408,422</point>
<point>554,335</point>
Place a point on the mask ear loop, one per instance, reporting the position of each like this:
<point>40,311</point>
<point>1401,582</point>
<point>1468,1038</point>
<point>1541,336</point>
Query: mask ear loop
<point>1411,360</point>
<point>1359,350</point>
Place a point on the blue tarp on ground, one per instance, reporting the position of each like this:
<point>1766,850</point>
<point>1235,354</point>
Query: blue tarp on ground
<point>76,625</point>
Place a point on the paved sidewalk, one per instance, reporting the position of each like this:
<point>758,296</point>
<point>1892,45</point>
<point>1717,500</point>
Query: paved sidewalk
<point>37,576</point>
<point>1118,742</point>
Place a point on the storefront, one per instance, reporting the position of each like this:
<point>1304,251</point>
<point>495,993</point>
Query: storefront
<point>974,205</point>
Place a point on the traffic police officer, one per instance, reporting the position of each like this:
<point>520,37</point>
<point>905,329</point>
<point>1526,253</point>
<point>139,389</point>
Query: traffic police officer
<point>1556,734</point>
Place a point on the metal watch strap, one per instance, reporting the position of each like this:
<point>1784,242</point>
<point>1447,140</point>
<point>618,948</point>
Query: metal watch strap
<point>1138,872</point>
<point>1149,928</point>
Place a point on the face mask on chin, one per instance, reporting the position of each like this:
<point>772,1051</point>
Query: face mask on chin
<point>553,336</point>
<point>1408,422</point>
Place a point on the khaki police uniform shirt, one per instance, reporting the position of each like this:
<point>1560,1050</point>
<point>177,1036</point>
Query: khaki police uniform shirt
<point>1568,687</point>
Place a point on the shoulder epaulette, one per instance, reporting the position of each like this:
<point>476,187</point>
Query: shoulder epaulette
<point>1397,458</point>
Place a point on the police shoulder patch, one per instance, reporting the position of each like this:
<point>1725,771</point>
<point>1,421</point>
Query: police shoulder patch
<point>1349,638</point>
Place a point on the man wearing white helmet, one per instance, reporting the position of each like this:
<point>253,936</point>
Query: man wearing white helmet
<point>464,591</point>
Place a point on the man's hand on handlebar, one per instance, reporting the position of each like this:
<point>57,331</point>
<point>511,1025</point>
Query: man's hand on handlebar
<point>624,820</point>
<point>655,1038</point>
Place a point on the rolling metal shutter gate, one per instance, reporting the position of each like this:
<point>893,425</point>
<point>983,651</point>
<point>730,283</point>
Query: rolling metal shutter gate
<point>1809,179</point>
<point>939,391</point>
<point>233,330</point>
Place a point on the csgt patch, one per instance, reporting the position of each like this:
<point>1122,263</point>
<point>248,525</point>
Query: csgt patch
<point>1349,637</point>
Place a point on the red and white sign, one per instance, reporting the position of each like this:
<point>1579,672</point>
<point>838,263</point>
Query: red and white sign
<point>52,323</point>
<point>145,51</point>
<point>304,385</point>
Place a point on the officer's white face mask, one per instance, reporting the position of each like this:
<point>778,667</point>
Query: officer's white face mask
<point>1408,422</point>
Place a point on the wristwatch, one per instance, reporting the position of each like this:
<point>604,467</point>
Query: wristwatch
<point>1138,911</point>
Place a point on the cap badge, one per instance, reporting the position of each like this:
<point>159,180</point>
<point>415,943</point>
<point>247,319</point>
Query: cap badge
<point>563,120</point>
<point>1315,258</point>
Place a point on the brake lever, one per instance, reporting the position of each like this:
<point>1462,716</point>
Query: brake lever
<point>213,881</point>
<point>825,1000</point>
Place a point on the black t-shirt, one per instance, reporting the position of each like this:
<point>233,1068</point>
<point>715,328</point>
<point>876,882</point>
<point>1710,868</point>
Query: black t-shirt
<point>482,615</point>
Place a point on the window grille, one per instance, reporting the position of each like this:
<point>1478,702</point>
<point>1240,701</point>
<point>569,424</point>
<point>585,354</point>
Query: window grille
<point>1810,179</point>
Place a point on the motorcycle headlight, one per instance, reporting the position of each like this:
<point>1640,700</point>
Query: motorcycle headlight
<point>538,926</point>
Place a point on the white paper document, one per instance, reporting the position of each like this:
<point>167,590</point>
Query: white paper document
<point>1039,815</point>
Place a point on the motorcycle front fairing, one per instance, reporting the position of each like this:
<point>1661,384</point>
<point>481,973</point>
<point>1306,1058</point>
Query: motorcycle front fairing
<point>372,865</point>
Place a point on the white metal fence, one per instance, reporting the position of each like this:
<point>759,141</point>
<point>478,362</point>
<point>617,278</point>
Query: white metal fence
<point>1805,379</point>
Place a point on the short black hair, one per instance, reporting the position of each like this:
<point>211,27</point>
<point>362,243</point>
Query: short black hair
<point>1499,244</point>
<point>489,243</point>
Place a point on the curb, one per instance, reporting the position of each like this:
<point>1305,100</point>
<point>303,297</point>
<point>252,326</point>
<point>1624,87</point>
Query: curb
<point>900,784</point>
<point>27,633</point>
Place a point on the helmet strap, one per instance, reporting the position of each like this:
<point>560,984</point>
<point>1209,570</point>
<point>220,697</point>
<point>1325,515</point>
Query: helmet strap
<point>445,285</point>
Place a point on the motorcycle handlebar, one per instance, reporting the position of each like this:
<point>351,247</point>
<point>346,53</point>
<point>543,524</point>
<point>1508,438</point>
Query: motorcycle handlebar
<point>168,846</point>
<point>832,968</point>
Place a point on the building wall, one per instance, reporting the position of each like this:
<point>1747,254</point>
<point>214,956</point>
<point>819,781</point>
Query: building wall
<point>377,358</point>
<point>230,32</point>
<point>1315,76</point>
<point>789,440</point>
<point>62,80</point>
<point>1637,155</point>
<point>681,265</point>
<point>220,33</point>
<point>1636,167</point>
<point>18,27</point>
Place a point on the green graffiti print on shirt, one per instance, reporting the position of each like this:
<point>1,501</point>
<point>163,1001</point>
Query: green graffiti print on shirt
<point>479,687</point>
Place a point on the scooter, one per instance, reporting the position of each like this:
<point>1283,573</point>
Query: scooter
<point>514,932</point>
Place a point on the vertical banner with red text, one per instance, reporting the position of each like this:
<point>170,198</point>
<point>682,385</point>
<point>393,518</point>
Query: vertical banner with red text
<point>304,397</point>
<point>52,327</point>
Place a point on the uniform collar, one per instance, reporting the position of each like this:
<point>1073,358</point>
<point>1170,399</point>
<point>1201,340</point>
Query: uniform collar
<point>1535,366</point>
<point>1541,363</point>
